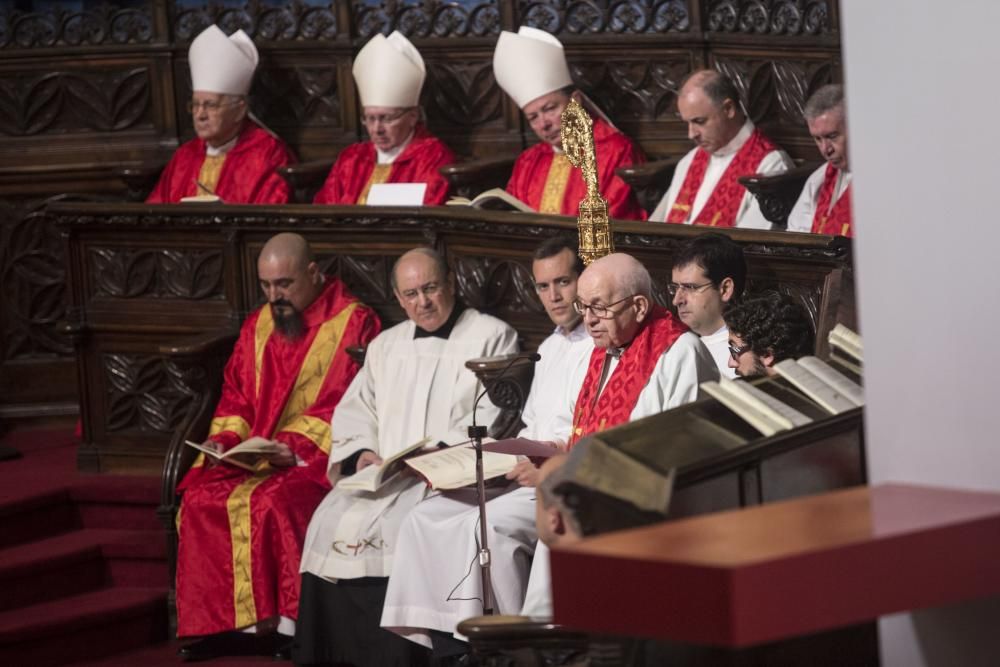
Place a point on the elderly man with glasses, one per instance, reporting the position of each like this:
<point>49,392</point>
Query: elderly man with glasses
<point>233,158</point>
<point>413,385</point>
<point>389,73</point>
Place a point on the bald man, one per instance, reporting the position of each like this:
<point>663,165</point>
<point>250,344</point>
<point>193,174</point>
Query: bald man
<point>414,385</point>
<point>241,532</point>
<point>706,188</point>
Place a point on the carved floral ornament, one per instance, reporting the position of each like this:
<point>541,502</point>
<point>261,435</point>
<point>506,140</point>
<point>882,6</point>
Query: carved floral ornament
<point>52,26</point>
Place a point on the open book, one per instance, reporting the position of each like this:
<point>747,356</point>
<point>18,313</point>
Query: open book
<point>496,199</point>
<point>846,347</point>
<point>455,467</point>
<point>375,476</point>
<point>758,408</point>
<point>201,199</point>
<point>823,384</point>
<point>245,455</point>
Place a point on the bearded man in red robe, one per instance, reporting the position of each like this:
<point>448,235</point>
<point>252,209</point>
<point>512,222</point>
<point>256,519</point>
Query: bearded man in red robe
<point>233,158</point>
<point>389,73</point>
<point>241,532</point>
<point>531,67</point>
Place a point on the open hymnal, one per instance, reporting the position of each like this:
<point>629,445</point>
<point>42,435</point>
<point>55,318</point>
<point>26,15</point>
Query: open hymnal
<point>822,383</point>
<point>846,348</point>
<point>758,408</point>
<point>373,477</point>
<point>455,467</point>
<point>245,455</point>
<point>496,199</point>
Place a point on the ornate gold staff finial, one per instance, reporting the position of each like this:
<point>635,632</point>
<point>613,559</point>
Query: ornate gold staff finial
<point>577,135</point>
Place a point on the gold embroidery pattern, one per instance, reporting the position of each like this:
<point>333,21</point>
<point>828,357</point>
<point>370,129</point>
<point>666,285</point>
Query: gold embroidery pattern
<point>238,508</point>
<point>555,185</point>
<point>235,423</point>
<point>312,374</point>
<point>380,174</point>
<point>315,429</point>
<point>265,325</point>
<point>208,175</point>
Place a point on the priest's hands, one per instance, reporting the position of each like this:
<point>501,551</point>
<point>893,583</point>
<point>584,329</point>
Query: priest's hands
<point>283,458</point>
<point>366,459</point>
<point>525,473</point>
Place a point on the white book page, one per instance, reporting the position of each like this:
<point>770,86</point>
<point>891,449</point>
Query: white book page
<point>751,415</point>
<point>455,467</point>
<point>794,417</point>
<point>396,194</point>
<point>844,385</point>
<point>828,398</point>
<point>847,341</point>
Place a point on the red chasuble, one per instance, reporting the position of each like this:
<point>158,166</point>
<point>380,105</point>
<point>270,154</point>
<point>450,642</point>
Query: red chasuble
<point>240,533</point>
<point>837,221</point>
<point>614,405</point>
<point>724,202</point>
<point>614,149</point>
<point>418,163</point>
<point>248,174</point>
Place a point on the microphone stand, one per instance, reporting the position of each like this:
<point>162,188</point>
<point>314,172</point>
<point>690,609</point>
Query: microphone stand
<point>476,434</point>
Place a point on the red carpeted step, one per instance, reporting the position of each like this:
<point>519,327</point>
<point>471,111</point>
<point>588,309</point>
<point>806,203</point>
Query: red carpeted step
<point>117,501</point>
<point>83,627</point>
<point>81,561</point>
<point>34,516</point>
<point>165,655</point>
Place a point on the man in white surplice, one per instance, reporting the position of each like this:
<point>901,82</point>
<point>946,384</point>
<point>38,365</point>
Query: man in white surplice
<point>413,384</point>
<point>438,584</point>
<point>705,189</point>
<point>708,275</point>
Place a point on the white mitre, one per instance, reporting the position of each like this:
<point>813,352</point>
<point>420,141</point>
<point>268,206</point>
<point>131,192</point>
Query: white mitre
<point>530,64</point>
<point>389,72</point>
<point>221,64</point>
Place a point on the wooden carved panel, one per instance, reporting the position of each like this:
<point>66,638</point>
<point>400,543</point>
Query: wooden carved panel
<point>770,17</point>
<point>107,23</point>
<point>297,96</point>
<point>144,393</point>
<point>496,285</point>
<point>462,93</point>
<point>367,276</point>
<point>288,22</point>
<point>125,273</point>
<point>427,18</point>
<point>33,276</point>
<point>776,90</point>
<point>606,16</point>
<point>634,90</point>
<point>808,296</point>
<point>103,100</point>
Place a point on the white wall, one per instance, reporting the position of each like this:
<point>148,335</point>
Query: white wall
<point>923,88</point>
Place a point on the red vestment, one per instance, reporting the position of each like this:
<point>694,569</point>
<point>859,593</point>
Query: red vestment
<point>598,410</point>
<point>418,163</point>
<point>614,149</point>
<point>248,175</point>
<point>253,524</point>
<point>724,202</point>
<point>838,220</point>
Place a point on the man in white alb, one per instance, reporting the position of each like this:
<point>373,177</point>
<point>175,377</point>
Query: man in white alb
<point>824,207</point>
<point>708,275</point>
<point>705,189</point>
<point>438,584</point>
<point>414,384</point>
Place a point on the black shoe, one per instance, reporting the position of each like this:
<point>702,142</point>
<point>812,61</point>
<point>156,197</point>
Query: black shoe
<point>215,646</point>
<point>281,647</point>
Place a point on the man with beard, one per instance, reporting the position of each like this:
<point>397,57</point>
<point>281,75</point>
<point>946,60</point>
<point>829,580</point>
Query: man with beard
<point>766,330</point>
<point>233,157</point>
<point>241,533</point>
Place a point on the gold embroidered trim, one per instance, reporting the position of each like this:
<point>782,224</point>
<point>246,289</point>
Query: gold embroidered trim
<point>235,423</point>
<point>555,185</point>
<point>380,174</point>
<point>265,325</point>
<point>315,429</point>
<point>238,508</point>
<point>208,175</point>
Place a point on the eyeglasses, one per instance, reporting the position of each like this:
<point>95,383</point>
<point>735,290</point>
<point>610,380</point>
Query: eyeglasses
<point>688,288</point>
<point>428,290</point>
<point>600,312</point>
<point>385,119</point>
<point>735,352</point>
<point>211,106</point>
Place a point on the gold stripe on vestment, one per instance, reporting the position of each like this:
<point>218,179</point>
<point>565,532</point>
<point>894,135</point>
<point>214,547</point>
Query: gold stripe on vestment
<point>555,185</point>
<point>238,509</point>
<point>312,375</point>
<point>380,174</point>
<point>234,423</point>
<point>265,325</point>
<point>208,175</point>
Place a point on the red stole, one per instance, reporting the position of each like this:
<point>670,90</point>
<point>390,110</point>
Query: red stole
<point>835,221</point>
<point>614,405</point>
<point>724,202</point>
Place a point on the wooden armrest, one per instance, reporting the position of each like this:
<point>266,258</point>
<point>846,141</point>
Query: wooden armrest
<point>139,180</point>
<point>469,178</point>
<point>658,172</point>
<point>489,628</point>
<point>207,344</point>
<point>306,178</point>
<point>777,193</point>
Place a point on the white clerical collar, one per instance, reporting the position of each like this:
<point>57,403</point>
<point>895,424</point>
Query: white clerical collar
<point>389,156</point>
<point>737,142</point>
<point>223,149</point>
